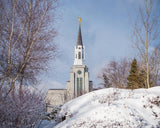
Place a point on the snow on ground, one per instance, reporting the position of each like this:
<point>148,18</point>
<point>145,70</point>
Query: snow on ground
<point>107,108</point>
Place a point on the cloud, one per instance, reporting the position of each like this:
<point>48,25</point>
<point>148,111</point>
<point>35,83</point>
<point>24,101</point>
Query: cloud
<point>105,33</point>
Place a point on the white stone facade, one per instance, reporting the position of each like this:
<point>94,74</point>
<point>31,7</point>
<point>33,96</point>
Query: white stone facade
<point>79,83</point>
<point>79,55</point>
<point>55,97</point>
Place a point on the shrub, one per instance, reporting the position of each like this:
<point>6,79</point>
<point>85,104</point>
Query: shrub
<point>22,113</point>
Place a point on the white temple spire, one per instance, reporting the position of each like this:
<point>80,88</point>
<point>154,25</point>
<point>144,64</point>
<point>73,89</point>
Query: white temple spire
<point>79,58</point>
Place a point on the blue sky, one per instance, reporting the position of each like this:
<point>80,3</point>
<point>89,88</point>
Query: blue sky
<point>106,32</point>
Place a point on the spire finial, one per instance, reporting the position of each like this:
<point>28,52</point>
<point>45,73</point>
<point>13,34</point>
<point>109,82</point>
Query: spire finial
<point>79,40</point>
<point>79,21</point>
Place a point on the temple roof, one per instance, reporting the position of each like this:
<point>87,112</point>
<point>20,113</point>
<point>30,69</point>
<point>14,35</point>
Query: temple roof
<point>79,40</point>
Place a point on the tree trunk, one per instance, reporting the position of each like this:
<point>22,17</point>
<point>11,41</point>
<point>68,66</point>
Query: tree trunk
<point>147,48</point>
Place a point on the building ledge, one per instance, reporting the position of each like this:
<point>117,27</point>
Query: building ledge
<point>57,89</point>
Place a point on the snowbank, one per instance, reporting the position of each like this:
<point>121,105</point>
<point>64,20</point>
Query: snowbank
<point>113,108</point>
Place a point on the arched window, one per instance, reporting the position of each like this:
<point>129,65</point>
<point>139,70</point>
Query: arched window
<point>79,55</point>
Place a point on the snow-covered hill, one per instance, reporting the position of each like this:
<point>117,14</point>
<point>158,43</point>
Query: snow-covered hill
<point>107,108</point>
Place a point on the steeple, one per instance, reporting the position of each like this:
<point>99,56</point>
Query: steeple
<point>79,39</point>
<point>79,58</point>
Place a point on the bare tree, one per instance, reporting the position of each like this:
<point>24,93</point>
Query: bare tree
<point>145,32</point>
<point>155,65</point>
<point>24,113</point>
<point>27,40</point>
<point>116,73</point>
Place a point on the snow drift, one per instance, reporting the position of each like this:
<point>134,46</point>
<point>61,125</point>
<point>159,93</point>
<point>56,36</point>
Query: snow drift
<point>112,107</point>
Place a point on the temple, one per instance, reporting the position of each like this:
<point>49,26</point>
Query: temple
<point>79,83</point>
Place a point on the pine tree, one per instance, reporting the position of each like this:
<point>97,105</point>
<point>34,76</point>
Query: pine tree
<point>142,79</point>
<point>106,81</point>
<point>133,78</point>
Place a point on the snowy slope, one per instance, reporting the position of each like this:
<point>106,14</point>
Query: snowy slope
<point>113,108</point>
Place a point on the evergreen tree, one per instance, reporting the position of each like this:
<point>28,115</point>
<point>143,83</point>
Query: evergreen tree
<point>133,78</point>
<point>106,81</point>
<point>142,79</point>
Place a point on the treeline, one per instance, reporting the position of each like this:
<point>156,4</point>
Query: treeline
<point>130,74</point>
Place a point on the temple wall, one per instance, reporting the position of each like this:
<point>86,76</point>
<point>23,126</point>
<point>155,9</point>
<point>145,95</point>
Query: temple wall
<point>55,97</point>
